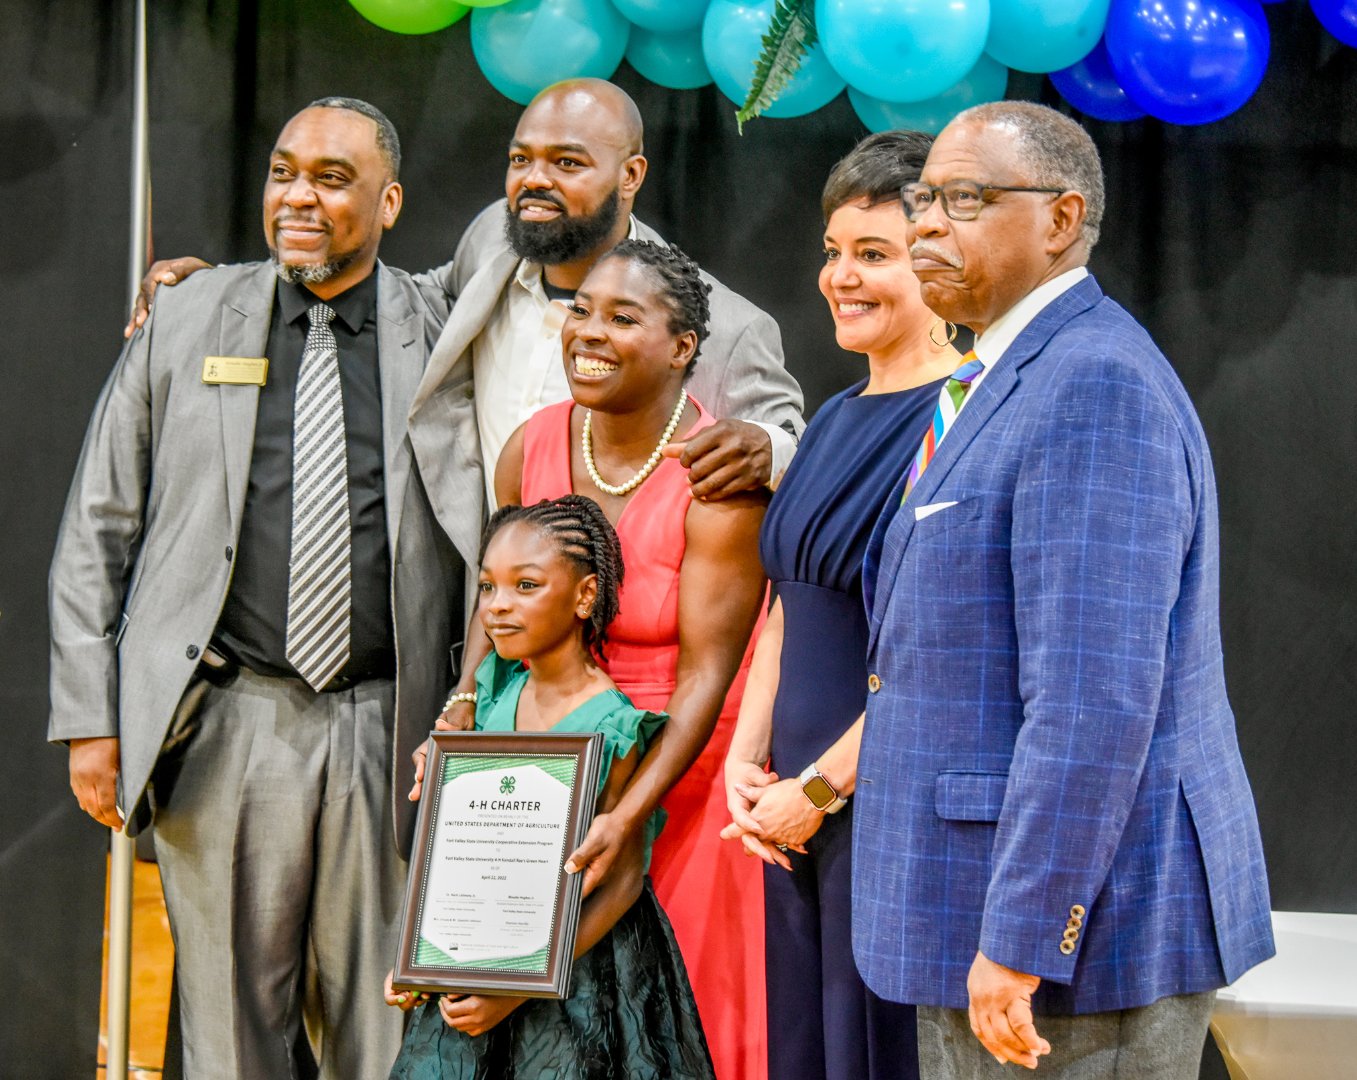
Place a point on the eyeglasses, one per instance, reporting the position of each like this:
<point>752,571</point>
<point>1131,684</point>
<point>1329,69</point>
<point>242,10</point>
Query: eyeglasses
<point>962,200</point>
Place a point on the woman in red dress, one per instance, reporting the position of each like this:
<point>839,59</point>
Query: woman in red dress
<point>690,601</point>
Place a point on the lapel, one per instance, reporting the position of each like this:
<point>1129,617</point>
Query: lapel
<point>470,312</point>
<point>890,538</point>
<point>400,362</point>
<point>645,232</point>
<point>244,331</point>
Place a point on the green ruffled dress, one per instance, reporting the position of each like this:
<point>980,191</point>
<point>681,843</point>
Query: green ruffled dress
<point>630,1014</point>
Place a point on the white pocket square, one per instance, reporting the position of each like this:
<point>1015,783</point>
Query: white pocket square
<point>921,512</point>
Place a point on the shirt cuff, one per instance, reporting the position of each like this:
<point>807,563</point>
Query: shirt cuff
<point>784,446</point>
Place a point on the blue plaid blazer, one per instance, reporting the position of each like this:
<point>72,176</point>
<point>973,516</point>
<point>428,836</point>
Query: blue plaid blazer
<point>1049,771</point>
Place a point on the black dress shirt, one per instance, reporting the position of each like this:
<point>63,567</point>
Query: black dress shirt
<point>253,624</point>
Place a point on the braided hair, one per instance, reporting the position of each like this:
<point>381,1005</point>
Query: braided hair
<point>681,285</point>
<point>583,535</point>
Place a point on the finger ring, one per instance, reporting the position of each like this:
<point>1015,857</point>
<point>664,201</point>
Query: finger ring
<point>782,847</point>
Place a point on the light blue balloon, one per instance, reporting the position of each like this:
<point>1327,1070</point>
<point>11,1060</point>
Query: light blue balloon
<point>672,60</point>
<point>902,50</point>
<point>732,38</point>
<point>664,16</point>
<point>526,45</point>
<point>987,81</point>
<point>1044,35</point>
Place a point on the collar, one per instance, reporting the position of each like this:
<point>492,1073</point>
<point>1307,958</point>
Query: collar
<point>994,342</point>
<point>529,274</point>
<point>353,307</point>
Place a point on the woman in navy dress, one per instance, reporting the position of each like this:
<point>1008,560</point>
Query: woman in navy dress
<point>808,684</point>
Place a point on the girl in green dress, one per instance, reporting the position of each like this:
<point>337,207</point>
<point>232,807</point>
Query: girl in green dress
<point>548,590</point>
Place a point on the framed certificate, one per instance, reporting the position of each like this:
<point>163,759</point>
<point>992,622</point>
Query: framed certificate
<point>489,908</point>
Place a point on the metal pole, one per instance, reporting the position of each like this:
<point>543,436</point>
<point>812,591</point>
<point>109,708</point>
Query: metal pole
<point>122,849</point>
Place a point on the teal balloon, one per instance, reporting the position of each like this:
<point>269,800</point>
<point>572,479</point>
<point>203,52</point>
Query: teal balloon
<point>902,50</point>
<point>663,16</point>
<point>1044,35</point>
<point>987,81</point>
<point>732,38</point>
<point>484,3</point>
<point>672,60</point>
<point>524,46</point>
<point>410,16</point>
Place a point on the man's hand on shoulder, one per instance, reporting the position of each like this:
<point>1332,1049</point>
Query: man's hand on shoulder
<point>162,272</point>
<point>94,775</point>
<point>1001,1012</point>
<point>729,457</point>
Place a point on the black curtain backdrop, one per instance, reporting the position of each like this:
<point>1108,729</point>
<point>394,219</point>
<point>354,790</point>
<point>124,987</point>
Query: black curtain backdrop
<point>1232,242</point>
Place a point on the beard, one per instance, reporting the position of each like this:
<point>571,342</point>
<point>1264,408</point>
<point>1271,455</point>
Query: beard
<point>564,239</point>
<point>313,273</point>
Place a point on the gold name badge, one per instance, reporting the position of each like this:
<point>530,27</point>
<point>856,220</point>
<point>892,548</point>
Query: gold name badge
<point>235,370</point>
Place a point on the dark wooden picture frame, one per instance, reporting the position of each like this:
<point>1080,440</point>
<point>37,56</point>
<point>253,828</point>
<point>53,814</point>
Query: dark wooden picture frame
<point>554,981</point>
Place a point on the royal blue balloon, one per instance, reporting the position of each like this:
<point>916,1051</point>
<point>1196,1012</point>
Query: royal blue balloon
<point>1339,17</point>
<point>1092,88</point>
<point>524,46</point>
<point>664,16</point>
<point>1188,61</point>
<point>1044,35</point>
<point>987,81</point>
<point>672,60</point>
<point>732,38</point>
<point>902,50</point>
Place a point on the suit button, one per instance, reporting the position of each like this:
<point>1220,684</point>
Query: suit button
<point>1077,911</point>
<point>191,652</point>
<point>874,682</point>
<point>1067,946</point>
<point>1071,933</point>
<point>230,554</point>
<point>1075,922</point>
<point>469,392</point>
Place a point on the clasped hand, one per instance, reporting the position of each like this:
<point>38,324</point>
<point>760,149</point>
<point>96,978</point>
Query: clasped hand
<point>471,1014</point>
<point>767,814</point>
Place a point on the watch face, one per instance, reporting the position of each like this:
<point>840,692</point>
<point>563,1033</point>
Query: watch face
<point>819,792</point>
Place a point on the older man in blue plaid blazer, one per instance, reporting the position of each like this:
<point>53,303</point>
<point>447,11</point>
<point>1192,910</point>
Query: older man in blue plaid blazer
<point>1056,849</point>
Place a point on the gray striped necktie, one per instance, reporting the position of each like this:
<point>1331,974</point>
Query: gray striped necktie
<point>318,572</point>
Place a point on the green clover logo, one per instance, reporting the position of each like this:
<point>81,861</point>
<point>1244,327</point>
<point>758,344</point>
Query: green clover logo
<point>507,785</point>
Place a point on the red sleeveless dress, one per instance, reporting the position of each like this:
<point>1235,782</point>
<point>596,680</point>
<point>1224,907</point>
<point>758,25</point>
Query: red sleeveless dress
<point>712,893</point>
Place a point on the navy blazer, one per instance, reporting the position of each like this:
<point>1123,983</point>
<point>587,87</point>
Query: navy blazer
<point>1049,771</point>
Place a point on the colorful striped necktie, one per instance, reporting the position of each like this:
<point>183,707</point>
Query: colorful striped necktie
<point>953,393</point>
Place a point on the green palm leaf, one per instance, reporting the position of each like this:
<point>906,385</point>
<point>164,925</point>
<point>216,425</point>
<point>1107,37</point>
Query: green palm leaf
<point>789,35</point>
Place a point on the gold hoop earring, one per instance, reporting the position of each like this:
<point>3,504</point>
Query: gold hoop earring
<point>951,334</point>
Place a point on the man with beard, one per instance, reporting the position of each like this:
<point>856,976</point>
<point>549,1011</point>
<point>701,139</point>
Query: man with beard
<point>575,167</point>
<point>226,596</point>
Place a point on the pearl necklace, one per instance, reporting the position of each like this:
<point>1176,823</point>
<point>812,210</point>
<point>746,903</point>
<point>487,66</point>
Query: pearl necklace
<point>587,446</point>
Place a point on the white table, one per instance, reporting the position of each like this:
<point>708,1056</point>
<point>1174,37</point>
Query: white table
<point>1294,1017</point>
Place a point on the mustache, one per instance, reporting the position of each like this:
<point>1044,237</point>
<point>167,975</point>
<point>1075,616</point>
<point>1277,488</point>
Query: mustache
<point>300,219</point>
<point>930,249</point>
<point>539,197</point>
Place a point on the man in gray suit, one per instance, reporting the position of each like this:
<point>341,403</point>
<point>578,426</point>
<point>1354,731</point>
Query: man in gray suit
<point>245,542</point>
<point>575,166</point>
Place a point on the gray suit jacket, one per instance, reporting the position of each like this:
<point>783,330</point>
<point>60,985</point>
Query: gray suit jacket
<point>144,557</point>
<point>740,372</point>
